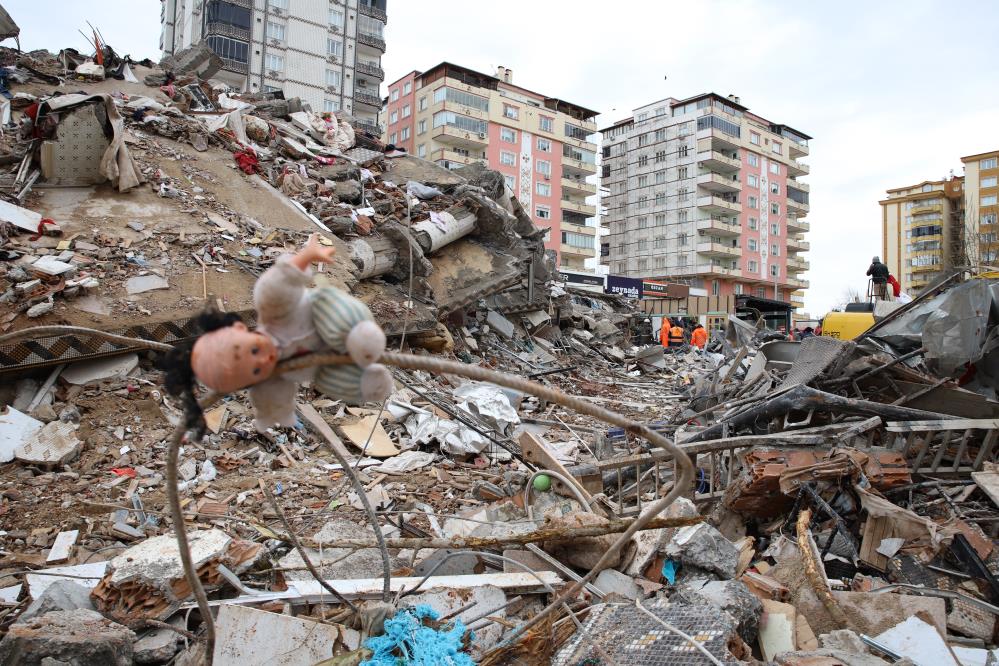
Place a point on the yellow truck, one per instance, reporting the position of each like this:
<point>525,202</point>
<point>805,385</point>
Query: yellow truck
<point>850,323</point>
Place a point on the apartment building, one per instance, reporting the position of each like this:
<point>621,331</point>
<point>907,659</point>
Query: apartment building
<point>981,191</point>
<point>456,116</point>
<point>703,192</point>
<point>922,231</point>
<point>327,52</point>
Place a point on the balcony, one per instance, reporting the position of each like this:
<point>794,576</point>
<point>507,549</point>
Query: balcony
<point>718,227</point>
<point>578,207</point>
<point>719,250</point>
<point>459,137</point>
<point>578,186</point>
<point>798,185</point>
<point>797,265</point>
<point>717,205</point>
<point>795,168</point>
<point>711,269</point>
<point>795,149</point>
<point>574,251</point>
<point>926,269</point>
<point>577,167</point>
<point>361,95</point>
<point>373,12</point>
<point>227,30</point>
<point>931,208</point>
<point>715,139</point>
<point>369,127</point>
<point>796,207</point>
<point>230,65</point>
<point>715,182</point>
<point>797,284</point>
<point>716,161</point>
<point>454,156</point>
<point>798,245</point>
<point>370,70</point>
<point>373,41</point>
<point>797,226</point>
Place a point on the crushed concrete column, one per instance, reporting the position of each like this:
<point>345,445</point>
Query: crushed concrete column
<point>373,256</point>
<point>389,254</point>
<point>445,228</point>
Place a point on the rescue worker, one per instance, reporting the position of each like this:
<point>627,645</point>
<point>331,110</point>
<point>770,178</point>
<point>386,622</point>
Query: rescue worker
<point>675,336</point>
<point>879,279</point>
<point>699,338</point>
<point>664,332</point>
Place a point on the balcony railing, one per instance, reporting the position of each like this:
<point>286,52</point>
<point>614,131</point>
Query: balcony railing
<point>219,28</point>
<point>371,40</point>
<point>719,204</point>
<point>370,70</point>
<point>712,269</point>
<point>578,186</point>
<point>718,161</point>
<point>795,168</point>
<point>578,207</point>
<point>231,65</point>
<point>797,225</point>
<point>715,182</point>
<point>368,98</point>
<point>719,227</point>
<point>718,249</point>
<point>373,12</point>
<point>368,127</point>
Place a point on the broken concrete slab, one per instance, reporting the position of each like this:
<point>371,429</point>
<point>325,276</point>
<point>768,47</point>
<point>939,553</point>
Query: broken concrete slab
<point>85,575</point>
<point>198,60</point>
<point>62,595</point>
<point>733,597</point>
<point>68,637</point>
<point>16,428</point>
<point>337,562</point>
<point>500,324</point>
<point>147,580</point>
<point>54,444</point>
<point>157,647</point>
<point>140,284</point>
<point>611,581</point>
<point>250,636</point>
<point>704,547</point>
<point>87,372</point>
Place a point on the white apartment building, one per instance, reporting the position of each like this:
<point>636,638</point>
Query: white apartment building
<point>703,192</point>
<point>327,52</point>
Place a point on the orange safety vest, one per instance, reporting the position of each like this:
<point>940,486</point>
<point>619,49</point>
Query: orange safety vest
<point>699,338</point>
<point>664,334</point>
<point>675,336</point>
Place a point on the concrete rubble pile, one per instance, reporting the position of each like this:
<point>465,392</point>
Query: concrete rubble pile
<point>844,505</point>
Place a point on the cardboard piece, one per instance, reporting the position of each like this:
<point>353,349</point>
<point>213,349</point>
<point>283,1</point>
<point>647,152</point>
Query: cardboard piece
<point>380,446</point>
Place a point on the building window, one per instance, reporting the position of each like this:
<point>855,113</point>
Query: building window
<point>331,105</point>
<point>682,151</point>
<point>407,87</point>
<point>661,134</point>
<point>681,216</point>
<point>989,182</point>
<point>334,47</point>
<point>761,292</point>
<point>643,222</point>
<point>754,267</point>
<point>574,239</point>
<point>752,181</point>
<point>752,202</point>
<point>423,103</point>
<point>421,126</point>
<point>544,167</point>
<point>511,112</point>
<point>660,156</point>
<point>229,14</point>
<point>395,95</point>
<point>404,134</point>
<point>421,150</point>
<point>546,124</point>
<point>274,62</point>
<point>643,202</point>
<point>460,122</point>
<point>682,240</point>
<point>543,212</point>
<point>775,208</point>
<point>643,181</point>
<point>660,198</point>
<point>989,218</point>
<point>987,163</point>
<point>754,138</point>
<point>643,160</point>
<point>660,242</point>
<point>753,159</point>
<point>774,187</point>
<point>753,224</point>
<point>508,135</point>
<point>774,250</point>
<point>776,147</point>
<point>775,168</point>
<point>230,49</point>
<point>336,18</point>
<point>682,194</point>
<point>643,264</point>
<point>774,270</point>
<point>394,118</point>
<point>544,145</point>
<point>660,262</point>
<point>989,200</point>
<point>279,4</point>
<point>643,140</point>
<point>681,173</point>
<point>660,220</point>
<point>660,177</point>
<point>511,181</point>
<point>543,189</point>
<point>752,245</point>
<point>333,78</point>
<point>392,137</point>
<point>461,97</point>
<point>682,260</point>
<point>275,31</point>
<point>406,111</point>
<point>715,288</point>
<point>643,245</point>
<point>508,159</point>
<point>775,229</point>
<point>738,289</point>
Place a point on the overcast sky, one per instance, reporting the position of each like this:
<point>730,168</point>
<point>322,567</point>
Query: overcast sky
<point>893,92</point>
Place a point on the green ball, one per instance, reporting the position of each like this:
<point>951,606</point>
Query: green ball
<point>542,483</point>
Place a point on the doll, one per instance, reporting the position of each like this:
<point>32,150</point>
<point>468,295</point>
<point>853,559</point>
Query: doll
<point>294,320</point>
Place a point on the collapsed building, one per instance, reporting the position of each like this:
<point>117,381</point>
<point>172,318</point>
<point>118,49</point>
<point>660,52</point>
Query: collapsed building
<point>841,504</point>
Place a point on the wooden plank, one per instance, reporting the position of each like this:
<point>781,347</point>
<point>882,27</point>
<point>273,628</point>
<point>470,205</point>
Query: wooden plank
<point>942,449</point>
<point>924,449</point>
<point>989,483</point>
<point>954,424</point>
<point>962,449</point>
<point>62,548</point>
<point>875,529</point>
<point>986,450</point>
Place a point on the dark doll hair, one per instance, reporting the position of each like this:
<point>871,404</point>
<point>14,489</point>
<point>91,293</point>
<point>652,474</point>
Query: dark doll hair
<point>176,363</point>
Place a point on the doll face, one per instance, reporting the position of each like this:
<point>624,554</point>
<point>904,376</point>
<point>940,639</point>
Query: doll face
<point>233,358</point>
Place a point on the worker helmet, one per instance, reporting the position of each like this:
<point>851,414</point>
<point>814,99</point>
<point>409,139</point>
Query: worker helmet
<point>875,260</point>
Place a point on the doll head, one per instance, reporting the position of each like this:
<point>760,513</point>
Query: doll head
<point>232,358</point>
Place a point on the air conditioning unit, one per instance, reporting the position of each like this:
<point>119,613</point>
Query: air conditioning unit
<point>482,135</point>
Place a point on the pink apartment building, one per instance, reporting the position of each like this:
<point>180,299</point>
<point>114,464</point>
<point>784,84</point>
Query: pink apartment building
<point>456,116</point>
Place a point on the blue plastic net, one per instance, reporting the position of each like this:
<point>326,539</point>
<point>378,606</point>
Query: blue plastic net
<point>407,641</point>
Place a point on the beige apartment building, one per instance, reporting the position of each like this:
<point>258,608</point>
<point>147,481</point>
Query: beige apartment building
<point>455,116</point>
<point>981,191</point>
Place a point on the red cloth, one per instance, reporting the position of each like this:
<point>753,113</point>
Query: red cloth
<point>41,228</point>
<point>247,161</point>
<point>895,286</point>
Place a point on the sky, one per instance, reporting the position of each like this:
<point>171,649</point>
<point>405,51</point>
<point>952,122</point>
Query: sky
<point>893,92</point>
